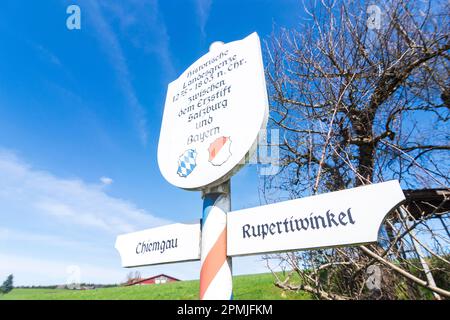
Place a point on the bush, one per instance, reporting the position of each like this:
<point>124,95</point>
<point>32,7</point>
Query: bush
<point>7,286</point>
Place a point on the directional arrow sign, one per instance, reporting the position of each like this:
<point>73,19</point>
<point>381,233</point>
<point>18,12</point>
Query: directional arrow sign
<point>340,218</point>
<point>172,243</point>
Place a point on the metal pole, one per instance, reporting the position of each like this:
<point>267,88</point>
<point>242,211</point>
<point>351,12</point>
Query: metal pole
<point>419,252</point>
<point>216,282</point>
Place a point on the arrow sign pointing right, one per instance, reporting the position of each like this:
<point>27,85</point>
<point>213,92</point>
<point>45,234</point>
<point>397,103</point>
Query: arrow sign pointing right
<point>347,217</point>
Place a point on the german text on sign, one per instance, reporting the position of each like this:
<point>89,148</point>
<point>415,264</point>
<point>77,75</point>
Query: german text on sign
<point>172,243</point>
<point>347,217</point>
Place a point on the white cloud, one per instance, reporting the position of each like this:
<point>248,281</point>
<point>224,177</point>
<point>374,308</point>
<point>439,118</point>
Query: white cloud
<point>37,271</point>
<point>68,202</point>
<point>71,222</point>
<point>203,10</point>
<point>29,270</point>
<point>64,222</point>
<point>106,180</point>
<point>17,235</point>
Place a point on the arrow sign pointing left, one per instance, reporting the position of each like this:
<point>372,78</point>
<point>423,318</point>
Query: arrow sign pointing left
<point>172,243</point>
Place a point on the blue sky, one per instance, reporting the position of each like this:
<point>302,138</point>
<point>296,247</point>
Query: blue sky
<point>80,114</point>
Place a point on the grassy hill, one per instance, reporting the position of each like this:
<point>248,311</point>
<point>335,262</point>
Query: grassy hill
<point>259,287</point>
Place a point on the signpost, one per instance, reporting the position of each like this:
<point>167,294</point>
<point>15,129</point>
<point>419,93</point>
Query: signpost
<point>212,117</point>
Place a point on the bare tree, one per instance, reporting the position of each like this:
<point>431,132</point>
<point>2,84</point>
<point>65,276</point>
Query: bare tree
<point>361,94</point>
<point>133,277</point>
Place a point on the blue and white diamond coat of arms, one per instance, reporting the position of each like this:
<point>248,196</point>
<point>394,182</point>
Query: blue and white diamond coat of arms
<point>187,163</point>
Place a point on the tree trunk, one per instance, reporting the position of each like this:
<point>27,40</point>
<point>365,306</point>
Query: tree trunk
<point>366,161</point>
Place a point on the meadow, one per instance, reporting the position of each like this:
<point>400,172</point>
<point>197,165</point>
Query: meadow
<point>258,287</point>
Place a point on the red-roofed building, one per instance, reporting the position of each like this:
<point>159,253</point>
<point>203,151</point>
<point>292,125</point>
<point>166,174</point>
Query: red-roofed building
<point>160,278</point>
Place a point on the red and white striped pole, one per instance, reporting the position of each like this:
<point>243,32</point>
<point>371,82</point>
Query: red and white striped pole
<point>216,281</point>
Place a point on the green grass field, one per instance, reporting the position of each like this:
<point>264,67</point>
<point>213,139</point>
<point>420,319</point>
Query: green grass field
<point>258,287</point>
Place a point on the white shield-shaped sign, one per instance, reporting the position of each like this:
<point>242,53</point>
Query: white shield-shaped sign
<point>213,114</point>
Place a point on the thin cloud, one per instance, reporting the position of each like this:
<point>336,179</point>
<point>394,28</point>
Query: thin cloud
<point>113,48</point>
<point>41,196</point>
<point>48,55</point>
<point>45,55</point>
<point>203,9</point>
<point>142,24</point>
<point>38,271</point>
<point>9,236</point>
